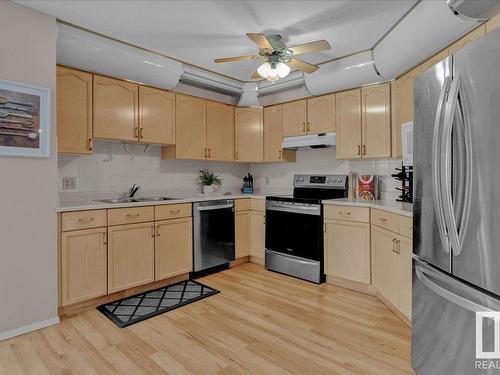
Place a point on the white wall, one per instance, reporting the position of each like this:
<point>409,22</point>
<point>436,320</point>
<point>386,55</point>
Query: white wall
<point>279,176</point>
<point>28,222</point>
<point>111,169</point>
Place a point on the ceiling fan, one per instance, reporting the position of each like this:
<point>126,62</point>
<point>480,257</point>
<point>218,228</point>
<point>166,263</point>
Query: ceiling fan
<point>280,58</point>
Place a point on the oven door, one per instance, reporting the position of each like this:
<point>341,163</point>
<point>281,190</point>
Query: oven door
<point>295,229</point>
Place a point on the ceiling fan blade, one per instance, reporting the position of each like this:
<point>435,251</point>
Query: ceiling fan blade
<point>302,65</point>
<point>318,45</point>
<point>255,75</point>
<point>237,58</point>
<point>260,40</point>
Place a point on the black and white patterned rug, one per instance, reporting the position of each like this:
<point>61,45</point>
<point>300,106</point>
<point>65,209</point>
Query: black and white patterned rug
<point>131,310</point>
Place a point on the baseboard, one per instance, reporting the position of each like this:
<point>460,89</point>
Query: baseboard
<point>29,328</point>
<point>353,285</point>
<point>256,260</point>
<point>239,261</point>
<point>393,308</point>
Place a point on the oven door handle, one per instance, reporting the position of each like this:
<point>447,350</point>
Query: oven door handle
<point>314,210</point>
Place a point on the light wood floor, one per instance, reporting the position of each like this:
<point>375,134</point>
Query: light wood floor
<point>260,323</point>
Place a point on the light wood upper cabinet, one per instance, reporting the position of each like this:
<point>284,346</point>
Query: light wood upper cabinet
<point>295,118</point>
<point>249,144</point>
<point>242,233</point>
<point>493,23</point>
<point>376,121</point>
<point>83,265</point>
<point>191,127</point>
<point>402,104</point>
<point>173,247</point>
<point>130,256</point>
<point>156,116</point>
<point>115,109</point>
<point>74,111</point>
<point>386,265</point>
<point>321,114</point>
<point>220,131</point>
<point>273,136</point>
<point>473,35</point>
<point>347,250</point>
<point>348,123</point>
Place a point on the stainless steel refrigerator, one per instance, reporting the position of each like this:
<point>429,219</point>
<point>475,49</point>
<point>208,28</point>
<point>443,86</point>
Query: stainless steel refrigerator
<point>456,263</point>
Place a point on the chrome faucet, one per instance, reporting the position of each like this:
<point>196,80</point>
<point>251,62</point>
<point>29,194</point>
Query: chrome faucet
<point>133,189</point>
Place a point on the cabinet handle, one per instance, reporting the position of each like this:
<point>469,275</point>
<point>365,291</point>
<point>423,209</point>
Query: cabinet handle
<point>141,130</point>
<point>158,231</point>
<point>279,154</point>
<point>348,213</point>
<point>308,126</point>
<point>132,216</point>
<point>136,132</point>
<point>364,149</point>
<point>90,146</point>
<point>305,127</point>
<point>85,220</point>
<point>396,246</point>
<point>104,238</point>
<point>152,230</point>
<point>209,154</point>
<point>175,212</point>
<point>359,149</point>
<point>206,154</point>
<point>382,219</point>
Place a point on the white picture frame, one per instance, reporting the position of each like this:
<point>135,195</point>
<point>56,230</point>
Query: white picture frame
<point>20,134</point>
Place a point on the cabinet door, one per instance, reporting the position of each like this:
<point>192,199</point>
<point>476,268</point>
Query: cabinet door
<point>115,109</point>
<point>191,127</point>
<point>348,123</point>
<point>220,131</point>
<point>376,121</point>
<point>83,265</point>
<point>130,256</point>
<point>470,37</point>
<point>242,233</point>
<point>321,114</point>
<point>174,247</point>
<point>273,133</point>
<point>347,250</point>
<point>249,134</point>
<point>406,250</point>
<point>156,116</point>
<point>386,265</point>
<point>402,107</point>
<point>74,111</point>
<point>257,234</point>
<point>294,118</point>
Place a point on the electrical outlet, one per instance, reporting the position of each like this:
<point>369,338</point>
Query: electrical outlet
<point>69,183</point>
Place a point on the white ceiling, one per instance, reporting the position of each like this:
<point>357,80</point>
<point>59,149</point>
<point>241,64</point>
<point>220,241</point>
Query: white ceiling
<point>197,32</point>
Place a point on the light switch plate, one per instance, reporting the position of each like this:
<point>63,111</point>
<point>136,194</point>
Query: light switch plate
<point>69,183</point>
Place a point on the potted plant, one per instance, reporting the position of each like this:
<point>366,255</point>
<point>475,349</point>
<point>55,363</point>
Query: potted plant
<point>209,181</point>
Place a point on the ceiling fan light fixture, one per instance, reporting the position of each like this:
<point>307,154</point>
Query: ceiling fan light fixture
<point>273,71</point>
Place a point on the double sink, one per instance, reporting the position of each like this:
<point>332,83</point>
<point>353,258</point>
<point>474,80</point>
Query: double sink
<point>140,199</point>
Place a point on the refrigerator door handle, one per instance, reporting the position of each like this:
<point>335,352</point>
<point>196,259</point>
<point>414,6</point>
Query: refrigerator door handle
<point>436,166</point>
<point>446,163</point>
<point>429,278</point>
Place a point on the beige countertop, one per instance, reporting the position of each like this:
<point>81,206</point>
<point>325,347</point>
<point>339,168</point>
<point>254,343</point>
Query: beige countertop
<point>401,208</point>
<point>67,206</point>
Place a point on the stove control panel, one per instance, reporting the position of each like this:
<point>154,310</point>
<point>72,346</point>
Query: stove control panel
<point>320,181</point>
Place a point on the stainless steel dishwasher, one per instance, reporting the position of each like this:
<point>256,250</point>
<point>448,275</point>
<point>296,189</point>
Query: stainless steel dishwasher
<point>213,234</point>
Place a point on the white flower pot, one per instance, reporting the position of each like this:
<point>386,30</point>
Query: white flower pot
<point>208,189</point>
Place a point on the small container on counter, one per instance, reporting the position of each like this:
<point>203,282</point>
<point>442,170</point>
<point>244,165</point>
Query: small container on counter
<point>247,184</point>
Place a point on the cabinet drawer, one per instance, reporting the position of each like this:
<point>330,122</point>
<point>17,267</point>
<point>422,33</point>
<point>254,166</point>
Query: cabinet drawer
<point>385,220</point>
<point>242,205</point>
<point>173,211</point>
<point>405,225</point>
<point>130,215</point>
<point>83,220</point>
<point>348,213</point>
<point>258,204</point>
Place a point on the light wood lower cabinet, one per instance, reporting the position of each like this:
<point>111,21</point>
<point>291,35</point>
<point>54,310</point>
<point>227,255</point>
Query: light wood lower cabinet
<point>173,247</point>
<point>406,249</point>
<point>83,265</point>
<point>257,234</point>
<point>347,250</point>
<point>130,256</point>
<point>242,233</point>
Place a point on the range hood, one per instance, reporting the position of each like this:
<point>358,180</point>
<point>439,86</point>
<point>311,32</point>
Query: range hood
<point>310,141</point>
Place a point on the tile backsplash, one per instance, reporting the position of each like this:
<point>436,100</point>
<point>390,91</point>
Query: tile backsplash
<point>111,170</point>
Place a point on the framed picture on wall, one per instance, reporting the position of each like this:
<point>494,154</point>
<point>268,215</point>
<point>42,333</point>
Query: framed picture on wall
<point>24,120</point>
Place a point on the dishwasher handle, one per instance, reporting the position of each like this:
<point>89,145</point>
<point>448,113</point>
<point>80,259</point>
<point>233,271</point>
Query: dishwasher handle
<point>215,207</point>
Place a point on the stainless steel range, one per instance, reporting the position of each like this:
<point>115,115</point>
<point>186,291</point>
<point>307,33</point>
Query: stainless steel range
<point>294,226</point>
